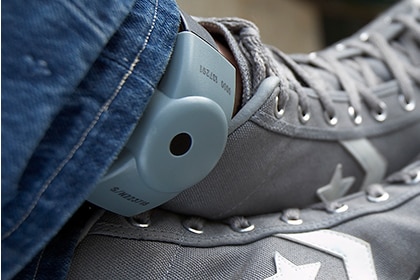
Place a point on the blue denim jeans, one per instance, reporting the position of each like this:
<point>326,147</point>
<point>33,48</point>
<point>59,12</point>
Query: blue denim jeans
<point>76,77</point>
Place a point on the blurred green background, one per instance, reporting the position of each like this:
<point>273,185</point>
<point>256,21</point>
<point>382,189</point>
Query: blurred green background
<point>295,25</point>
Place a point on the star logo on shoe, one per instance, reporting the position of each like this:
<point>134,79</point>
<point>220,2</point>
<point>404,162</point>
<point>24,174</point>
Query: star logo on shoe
<point>285,269</point>
<point>337,187</point>
<point>369,158</point>
<point>355,253</point>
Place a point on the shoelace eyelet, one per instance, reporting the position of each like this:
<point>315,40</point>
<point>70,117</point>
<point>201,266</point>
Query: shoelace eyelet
<point>137,223</point>
<point>246,229</point>
<point>380,198</point>
<point>194,225</point>
<point>191,228</point>
<point>278,108</point>
<point>342,208</point>
<point>331,120</point>
<point>194,230</point>
<point>408,105</point>
<point>303,116</point>
<point>294,222</point>
<point>313,56</point>
<point>290,221</point>
<point>382,114</point>
<point>364,36</point>
<point>340,47</point>
<point>355,116</point>
<point>240,224</point>
<point>415,178</point>
<point>292,217</point>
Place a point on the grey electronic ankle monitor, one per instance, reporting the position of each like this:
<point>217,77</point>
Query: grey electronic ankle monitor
<point>181,135</point>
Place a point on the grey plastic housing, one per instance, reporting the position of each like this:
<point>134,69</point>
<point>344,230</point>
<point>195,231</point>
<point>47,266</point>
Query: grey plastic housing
<point>181,135</point>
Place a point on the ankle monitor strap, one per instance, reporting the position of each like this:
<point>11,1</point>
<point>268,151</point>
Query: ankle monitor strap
<point>181,135</point>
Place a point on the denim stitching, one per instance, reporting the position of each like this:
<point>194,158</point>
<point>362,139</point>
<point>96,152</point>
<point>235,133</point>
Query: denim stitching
<point>38,263</point>
<point>89,129</point>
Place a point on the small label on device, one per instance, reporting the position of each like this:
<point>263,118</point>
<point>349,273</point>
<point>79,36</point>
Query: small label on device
<point>129,197</point>
<point>214,78</point>
<point>197,69</point>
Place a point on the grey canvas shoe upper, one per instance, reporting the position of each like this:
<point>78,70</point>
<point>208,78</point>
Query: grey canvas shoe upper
<point>311,130</point>
<point>314,127</point>
<point>365,236</point>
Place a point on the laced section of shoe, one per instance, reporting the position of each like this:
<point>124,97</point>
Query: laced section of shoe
<point>408,176</point>
<point>237,223</point>
<point>194,225</point>
<point>141,220</point>
<point>374,193</point>
<point>394,47</point>
<point>240,224</point>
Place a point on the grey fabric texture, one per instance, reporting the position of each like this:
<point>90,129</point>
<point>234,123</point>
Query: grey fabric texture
<point>257,215</point>
<point>298,110</point>
<point>385,233</point>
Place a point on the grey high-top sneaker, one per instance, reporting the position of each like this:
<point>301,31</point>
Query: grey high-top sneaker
<point>352,110</point>
<point>367,235</point>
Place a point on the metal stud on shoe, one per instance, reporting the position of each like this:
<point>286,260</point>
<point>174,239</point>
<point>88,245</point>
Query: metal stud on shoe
<point>194,225</point>
<point>303,116</point>
<point>240,224</point>
<point>142,220</point>
<point>415,178</point>
<point>376,193</point>
<point>331,119</point>
<point>248,228</point>
<point>340,47</point>
<point>364,36</point>
<point>138,224</point>
<point>408,105</point>
<point>313,56</point>
<point>194,230</point>
<point>341,208</point>
<point>294,222</point>
<point>380,198</point>
<point>279,108</point>
<point>380,115</point>
<point>292,217</point>
<point>356,117</point>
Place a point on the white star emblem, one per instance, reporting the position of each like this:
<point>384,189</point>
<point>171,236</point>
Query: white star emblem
<point>337,187</point>
<point>286,270</point>
<point>355,253</point>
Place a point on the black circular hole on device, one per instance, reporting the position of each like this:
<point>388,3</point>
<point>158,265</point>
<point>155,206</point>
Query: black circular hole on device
<point>180,144</point>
